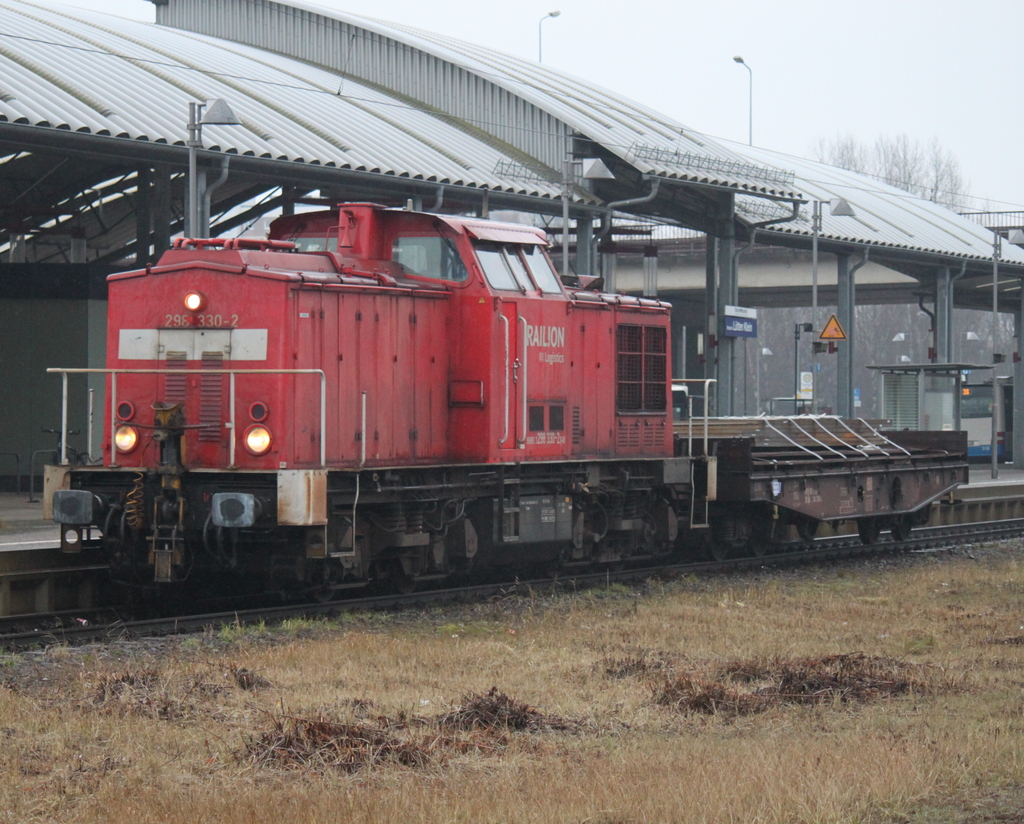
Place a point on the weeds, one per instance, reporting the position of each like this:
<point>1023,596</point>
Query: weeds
<point>496,711</point>
<point>321,744</point>
<point>774,682</point>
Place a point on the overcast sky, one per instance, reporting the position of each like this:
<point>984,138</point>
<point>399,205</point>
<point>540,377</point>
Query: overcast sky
<point>945,69</point>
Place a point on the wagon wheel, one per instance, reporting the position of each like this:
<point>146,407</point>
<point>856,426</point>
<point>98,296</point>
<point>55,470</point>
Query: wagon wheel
<point>758,546</point>
<point>869,530</point>
<point>717,549</point>
<point>900,529</point>
<point>807,528</point>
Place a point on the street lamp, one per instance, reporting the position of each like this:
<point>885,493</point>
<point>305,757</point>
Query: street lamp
<point>750,99</point>
<point>540,33</point>
<point>839,208</point>
<point>218,114</point>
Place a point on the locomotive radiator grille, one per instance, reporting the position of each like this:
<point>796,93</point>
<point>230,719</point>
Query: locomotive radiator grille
<point>174,385</point>
<point>628,435</point>
<point>211,391</point>
<point>654,434</point>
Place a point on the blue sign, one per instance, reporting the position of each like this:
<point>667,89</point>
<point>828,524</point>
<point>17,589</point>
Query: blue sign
<point>740,327</point>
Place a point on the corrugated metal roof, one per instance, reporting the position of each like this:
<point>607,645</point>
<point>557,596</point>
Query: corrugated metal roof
<point>651,141</point>
<point>65,68</point>
<point>426,66</point>
<point>885,216</point>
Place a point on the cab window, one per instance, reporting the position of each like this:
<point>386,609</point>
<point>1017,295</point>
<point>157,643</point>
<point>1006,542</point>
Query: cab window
<point>540,268</point>
<point>433,256</point>
<point>518,268</point>
<point>318,243</point>
<point>513,266</point>
<point>496,267</point>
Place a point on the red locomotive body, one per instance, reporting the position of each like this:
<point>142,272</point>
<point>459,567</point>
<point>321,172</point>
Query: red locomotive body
<point>301,387</point>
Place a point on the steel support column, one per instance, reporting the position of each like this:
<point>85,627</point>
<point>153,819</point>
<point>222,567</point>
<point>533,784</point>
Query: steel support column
<point>162,218</point>
<point>728,295</point>
<point>943,316</point>
<point>847,302</point>
<point>1018,384</point>
<point>143,214</point>
<point>710,302</point>
<point>584,246</point>
<point>651,271</point>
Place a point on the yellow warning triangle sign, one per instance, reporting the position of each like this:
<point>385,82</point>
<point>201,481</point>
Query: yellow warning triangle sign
<point>832,330</point>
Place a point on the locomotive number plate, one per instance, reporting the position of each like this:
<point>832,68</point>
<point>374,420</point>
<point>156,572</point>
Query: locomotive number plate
<point>206,321</point>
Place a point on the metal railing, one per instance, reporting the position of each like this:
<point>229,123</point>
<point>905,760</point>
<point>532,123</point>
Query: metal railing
<point>229,424</point>
<point>689,414</point>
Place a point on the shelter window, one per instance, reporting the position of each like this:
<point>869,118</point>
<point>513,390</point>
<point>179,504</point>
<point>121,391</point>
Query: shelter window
<point>540,268</point>
<point>429,257</point>
<point>641,368</point>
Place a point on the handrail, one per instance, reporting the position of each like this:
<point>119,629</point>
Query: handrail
<point>229,424</point>
<point>508,368</point>
<point>689,412</point>
<point>526,359</point>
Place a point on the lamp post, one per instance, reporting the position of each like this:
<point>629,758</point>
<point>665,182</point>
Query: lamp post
<point>750,100</point>
<point>219,114</point>
<point>540,34</point>
<point>839,208</point>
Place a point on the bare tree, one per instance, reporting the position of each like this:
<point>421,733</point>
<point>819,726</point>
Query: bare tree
<point>927,171</point>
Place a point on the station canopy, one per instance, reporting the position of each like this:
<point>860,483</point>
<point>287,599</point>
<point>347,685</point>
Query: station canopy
<point>355,106</point>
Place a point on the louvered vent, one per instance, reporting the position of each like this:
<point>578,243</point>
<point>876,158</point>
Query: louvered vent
<point>211,397</point>
<point>628,436</point>
<point>654,434</point>
<point>174,385</point>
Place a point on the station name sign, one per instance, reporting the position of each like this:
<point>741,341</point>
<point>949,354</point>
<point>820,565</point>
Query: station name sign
<point>740,322</point>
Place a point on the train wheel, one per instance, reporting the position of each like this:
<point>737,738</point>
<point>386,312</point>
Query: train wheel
<point>900,529</point>
<point>717,549</point>
<point>807,528</point>
<point>869,530</point>
<point>758,547</point>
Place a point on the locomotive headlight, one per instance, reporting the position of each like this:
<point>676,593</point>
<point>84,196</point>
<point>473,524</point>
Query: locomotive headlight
<point>126,438</point>
<point>257,439</point>
<point>195,301</point>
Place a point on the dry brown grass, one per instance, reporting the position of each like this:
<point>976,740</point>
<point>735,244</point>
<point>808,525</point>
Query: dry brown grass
<point>883,692</point>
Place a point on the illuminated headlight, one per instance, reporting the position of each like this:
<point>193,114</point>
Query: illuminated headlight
<point>257,439</point>
<point>194,301</point>
<point>126,438</point>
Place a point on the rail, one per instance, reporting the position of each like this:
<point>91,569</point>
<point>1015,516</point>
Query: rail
<point>229,424</point>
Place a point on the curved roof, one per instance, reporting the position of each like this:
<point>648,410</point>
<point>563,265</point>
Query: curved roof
<point>91,73</point>
<point>885,217</point>
<point>419,65</point>
<point>329,90</point>
<point>651,141</point>
<point>391,55</point>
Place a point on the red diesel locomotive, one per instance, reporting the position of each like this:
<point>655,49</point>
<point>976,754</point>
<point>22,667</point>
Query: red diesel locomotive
<point>369,394</point>
<point>374,395</point>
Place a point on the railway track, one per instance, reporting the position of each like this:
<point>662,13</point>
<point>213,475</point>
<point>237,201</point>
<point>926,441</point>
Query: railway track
<point>82,626</point>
